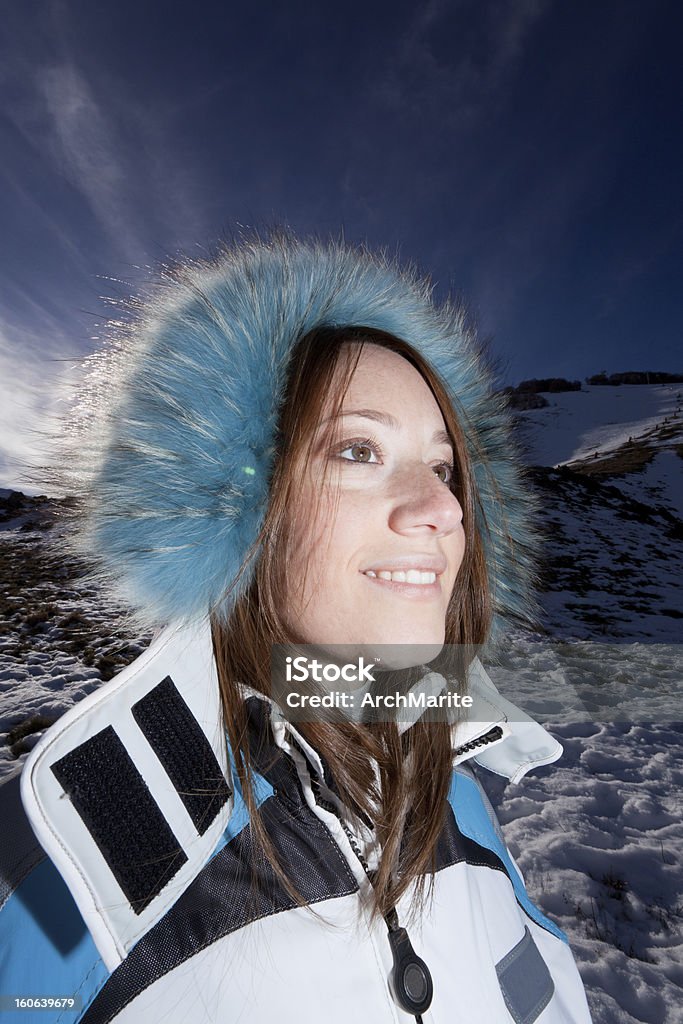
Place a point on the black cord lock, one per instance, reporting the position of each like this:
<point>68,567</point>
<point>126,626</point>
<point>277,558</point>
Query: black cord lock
<point>409,981</point>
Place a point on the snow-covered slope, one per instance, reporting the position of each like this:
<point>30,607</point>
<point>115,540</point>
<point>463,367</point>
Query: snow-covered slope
<point>599,419</point>
<point>608,465</point>
<point>660,482</point>
<point>611,563</point>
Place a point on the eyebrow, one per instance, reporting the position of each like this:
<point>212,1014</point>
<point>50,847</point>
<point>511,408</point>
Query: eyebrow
<point>439,437</point>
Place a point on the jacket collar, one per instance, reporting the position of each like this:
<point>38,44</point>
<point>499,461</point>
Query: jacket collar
<point>121,732</point>
<point>496,734</point>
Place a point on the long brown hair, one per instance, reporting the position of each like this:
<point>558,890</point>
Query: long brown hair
<point>399,782</point>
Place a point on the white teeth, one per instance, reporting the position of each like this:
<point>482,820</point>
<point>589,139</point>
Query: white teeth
<point>411,576</point>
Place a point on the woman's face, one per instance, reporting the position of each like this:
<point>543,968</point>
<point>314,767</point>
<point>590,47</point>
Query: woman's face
<point>375,560</point>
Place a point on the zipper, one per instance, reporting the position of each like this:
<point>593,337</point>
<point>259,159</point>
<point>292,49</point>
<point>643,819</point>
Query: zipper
<point>410,981</point>
<point>489,737</point>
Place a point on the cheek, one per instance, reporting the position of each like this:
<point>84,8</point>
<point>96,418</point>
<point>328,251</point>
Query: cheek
<point>459,543</point>
<point>456,554</point>
<point>347,531</point>
<point>328,544</point>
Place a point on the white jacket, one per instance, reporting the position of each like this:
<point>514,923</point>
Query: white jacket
<point>144,909</point>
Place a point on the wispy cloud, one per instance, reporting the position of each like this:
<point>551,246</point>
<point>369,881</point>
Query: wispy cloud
<point>91,130</point>
<point>120,158</point>
<point>86,146</point>
<point>35,382</point>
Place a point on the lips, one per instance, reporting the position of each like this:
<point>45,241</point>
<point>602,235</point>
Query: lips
<point>413,576</point>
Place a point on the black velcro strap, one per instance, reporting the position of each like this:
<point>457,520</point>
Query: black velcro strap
<point>121,815</point>
<point>183,749</point>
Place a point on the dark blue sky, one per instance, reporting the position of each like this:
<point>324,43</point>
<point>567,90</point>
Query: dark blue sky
<point>527,154</point>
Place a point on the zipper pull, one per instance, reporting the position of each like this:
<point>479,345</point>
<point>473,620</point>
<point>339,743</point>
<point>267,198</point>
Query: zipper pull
<point>410,982</point>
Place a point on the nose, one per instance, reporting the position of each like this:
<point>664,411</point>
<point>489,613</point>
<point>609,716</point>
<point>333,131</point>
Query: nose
<point>424,503</point>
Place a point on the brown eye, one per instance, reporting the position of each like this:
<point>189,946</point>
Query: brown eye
<point>360,452</point>
<point>444,473</point>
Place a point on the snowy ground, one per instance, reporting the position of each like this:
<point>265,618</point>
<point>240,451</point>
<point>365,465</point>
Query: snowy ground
<point>598,418</point>
<point>599,835</point>
<point>659,483</point>
<point>613,563</point>
<point>58,639</point>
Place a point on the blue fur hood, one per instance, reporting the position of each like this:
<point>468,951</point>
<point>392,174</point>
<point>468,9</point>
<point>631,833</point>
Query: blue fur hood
<point>174,468</point>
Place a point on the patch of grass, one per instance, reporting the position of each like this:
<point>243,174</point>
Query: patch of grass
<point>617,886</point>
<point>107,666</point>
<point>74,618</point>
<point>609,918</point>
<point>630,458</point>
<point>16,737</point>
<point>40,615</point>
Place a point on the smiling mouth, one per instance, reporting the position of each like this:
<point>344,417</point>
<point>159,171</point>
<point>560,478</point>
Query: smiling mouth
<point>417,577</point>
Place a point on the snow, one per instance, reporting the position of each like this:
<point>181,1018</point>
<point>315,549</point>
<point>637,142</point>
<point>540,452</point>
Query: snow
<point>598,835</point>
<point>660,483</point>
<point>598,838</point>
<point>597,418</point>
<point>588,681</point>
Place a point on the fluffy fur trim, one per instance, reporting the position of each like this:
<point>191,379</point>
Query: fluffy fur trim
<point>174,469</point>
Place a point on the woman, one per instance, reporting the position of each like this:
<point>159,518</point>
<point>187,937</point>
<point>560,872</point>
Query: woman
<point>298,449</point>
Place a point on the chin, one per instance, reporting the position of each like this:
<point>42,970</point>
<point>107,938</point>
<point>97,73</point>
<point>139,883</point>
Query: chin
<point>398,648</point>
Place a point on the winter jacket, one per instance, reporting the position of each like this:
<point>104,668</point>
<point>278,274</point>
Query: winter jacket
<point>144,902</point>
